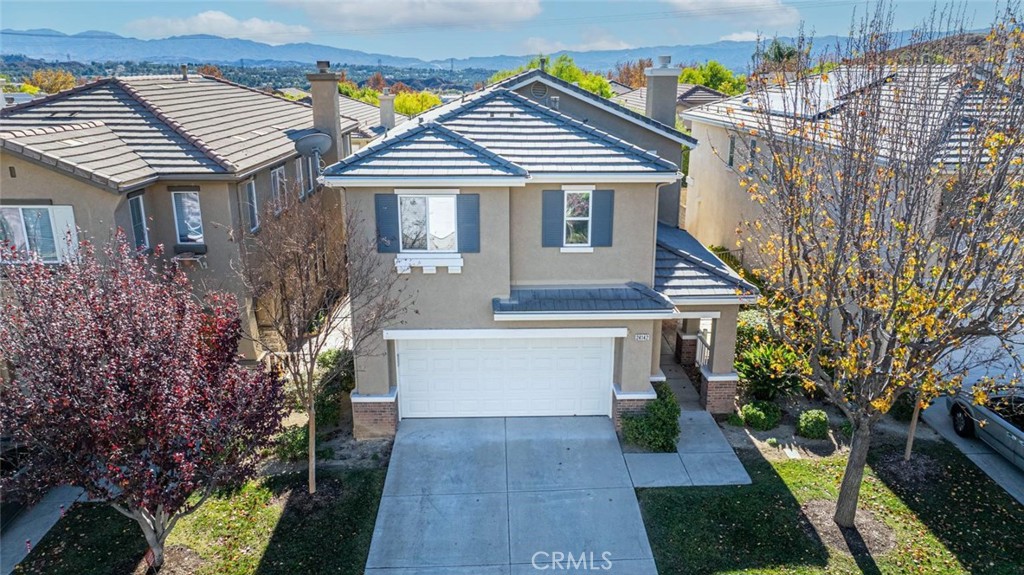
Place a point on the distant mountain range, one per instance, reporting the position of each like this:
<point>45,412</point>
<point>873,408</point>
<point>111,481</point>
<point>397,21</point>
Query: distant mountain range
<point>100,46</point>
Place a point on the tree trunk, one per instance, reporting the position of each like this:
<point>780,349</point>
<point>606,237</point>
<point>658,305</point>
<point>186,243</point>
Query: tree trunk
<point>849,489</point>
<point>155,541</point>
<point>311,410</point>
<point>910,433</point>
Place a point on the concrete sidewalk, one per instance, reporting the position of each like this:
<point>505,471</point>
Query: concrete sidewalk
<point>703,455</point>
<point>994,465</point>
<point>33,524</point>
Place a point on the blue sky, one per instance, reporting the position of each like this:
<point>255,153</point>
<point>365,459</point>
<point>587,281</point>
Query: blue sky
<point>433,29</point>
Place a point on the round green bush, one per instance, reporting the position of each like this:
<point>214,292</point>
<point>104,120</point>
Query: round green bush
<point>761,415</point>
<point>813,424</point>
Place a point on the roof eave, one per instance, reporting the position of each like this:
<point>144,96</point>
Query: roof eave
<point>714,300</point>
<point>609,177</point>
<point>339,181</point>
<point>587,315</point>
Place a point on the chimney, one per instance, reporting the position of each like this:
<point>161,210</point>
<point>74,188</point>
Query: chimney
<point>661,92</point>
<point>543,63</point>
<point>184,72</point>
<point>387,109</point>
<point>323,85</point>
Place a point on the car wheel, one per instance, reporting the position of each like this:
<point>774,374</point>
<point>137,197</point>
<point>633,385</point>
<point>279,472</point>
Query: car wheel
<point>962,423</point>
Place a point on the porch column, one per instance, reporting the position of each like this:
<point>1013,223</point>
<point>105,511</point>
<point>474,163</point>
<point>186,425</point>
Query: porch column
<point>656,373</point>
<point>718,377</point>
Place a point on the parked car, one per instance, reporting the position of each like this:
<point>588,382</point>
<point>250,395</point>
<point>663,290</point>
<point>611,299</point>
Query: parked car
<point>999,423</point>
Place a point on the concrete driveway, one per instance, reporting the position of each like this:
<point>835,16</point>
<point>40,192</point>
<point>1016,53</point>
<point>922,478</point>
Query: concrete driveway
<point>493,496</point>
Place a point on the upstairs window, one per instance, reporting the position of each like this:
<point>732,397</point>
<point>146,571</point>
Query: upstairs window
<point>137,209</point>
<point>188,218</point>
<point>577,218</point>
<point>278,188</point>
<point>428,223</point>
<point>732,150</point>
<point>300,176</point>
<point>38,231</point>
<point>253,205</point>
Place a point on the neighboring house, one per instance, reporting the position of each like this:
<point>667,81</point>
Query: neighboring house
<point>185,161</point>
<point>618,88</point>
<point>687,96</point>
<point>530,219</point>
<point>373,120</point>
<point>294,94</point>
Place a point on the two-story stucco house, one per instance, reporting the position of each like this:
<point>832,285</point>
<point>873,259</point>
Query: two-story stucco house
<point>535,223</point>
<point>186,161</point>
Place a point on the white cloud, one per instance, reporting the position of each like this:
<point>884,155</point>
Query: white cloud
<point>591,39</point>
<point>740,36</point>
<point>386,15</point>
<point>764,12</point>
<point>219,23</point>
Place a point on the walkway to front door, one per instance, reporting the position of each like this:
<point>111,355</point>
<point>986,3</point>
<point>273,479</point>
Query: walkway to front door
<point>490,496</point>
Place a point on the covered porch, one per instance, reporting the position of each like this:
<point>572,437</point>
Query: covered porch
<point>707,295</point>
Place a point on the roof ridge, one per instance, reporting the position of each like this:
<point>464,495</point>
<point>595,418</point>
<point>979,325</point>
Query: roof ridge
<point>175,125</point>
<point>53,129</point>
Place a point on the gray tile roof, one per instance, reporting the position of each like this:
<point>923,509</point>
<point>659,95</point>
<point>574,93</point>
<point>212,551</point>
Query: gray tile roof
<point>89,150</point>
<point>686,94</point>
<point>619,88</point>
<point>507,126</point>
<point>535,74</point>
<point>631,297</point>
<point>420,151</point>
<point>367,115</point>
<point>196,127</point>
<point>685,269</point>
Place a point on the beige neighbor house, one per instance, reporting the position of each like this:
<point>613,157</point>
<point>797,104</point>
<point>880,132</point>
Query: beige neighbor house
<point>186,161</point>
<point>536,225</point>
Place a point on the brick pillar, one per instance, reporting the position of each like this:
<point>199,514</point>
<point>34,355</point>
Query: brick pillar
<point>718,396</point>
<point>374,419</point>
<point>621,407</point>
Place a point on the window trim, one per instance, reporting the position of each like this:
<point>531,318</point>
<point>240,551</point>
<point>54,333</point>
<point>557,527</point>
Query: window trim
<point>311,174</point>
<point>278,188</point>
<point>177,230</point>
<point>252,201</point>
<point>300,176</point>
<point>145,228</point>
<point>566,218</point>
<point>53,226</point>
<point>427,198</point>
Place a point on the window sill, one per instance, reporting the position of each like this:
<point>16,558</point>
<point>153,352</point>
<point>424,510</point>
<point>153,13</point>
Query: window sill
<point>404,262</point>
<point>577,250</point>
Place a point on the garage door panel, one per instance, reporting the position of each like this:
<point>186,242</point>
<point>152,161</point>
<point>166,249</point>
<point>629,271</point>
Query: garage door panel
<point>505,377</point>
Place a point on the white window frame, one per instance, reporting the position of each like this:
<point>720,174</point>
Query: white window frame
<point>311,174</point>
<point>145,228</point>
<point>300,176</point>
<point>278,188</point>
<point>252,201</point>
<point>174,208</point>
<point>566,218</point>
<point>426,198</point>
<point>53,230</point>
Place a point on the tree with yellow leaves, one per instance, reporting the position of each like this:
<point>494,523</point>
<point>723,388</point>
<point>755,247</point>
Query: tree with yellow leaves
<point>893,212</point>
<point>52,80</point>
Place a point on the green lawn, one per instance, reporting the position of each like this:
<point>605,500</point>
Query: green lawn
<point>262,528</point>
<point>958,522</point>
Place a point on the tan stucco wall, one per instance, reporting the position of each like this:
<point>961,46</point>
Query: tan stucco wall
<point>716,204</point>
<point>629,258</point>
<point>638,135</point>
<point>463,301</point>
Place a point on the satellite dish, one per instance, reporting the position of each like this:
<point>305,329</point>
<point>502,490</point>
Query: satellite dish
<point>315,143</point>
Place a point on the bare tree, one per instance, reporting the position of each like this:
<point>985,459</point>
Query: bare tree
<point>892,190</point>
<point>310,271</point>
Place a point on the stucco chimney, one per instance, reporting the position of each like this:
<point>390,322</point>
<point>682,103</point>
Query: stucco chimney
<point>387,109</point>
<point>184,72</point>
<point>661,91</point>
<point>323,85</point>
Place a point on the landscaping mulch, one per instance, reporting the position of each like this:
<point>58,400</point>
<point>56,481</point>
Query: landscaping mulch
<point>868,537</point>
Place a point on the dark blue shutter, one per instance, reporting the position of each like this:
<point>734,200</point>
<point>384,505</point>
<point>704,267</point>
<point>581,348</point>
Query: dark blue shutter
<point>552,219</point>
<point>468,216</point>
<point>386,207</point>
<point>602,213</point>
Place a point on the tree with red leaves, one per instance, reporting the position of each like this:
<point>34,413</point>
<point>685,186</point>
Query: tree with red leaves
<point>123,382</point>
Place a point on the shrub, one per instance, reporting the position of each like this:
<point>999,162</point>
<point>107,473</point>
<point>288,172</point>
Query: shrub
<point>335,371</point>
<point>751,329</point>
<point>772,442</point>
<point>735,419</point>
<point>292,443</point>
<point>903,408</point>
<point>846,429</point>
<point>761,415</point>
<point>769,370</point>
<point>657,429</point>
<point>813,424</point>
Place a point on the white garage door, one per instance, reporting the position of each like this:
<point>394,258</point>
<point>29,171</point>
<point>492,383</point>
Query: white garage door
<point>504,377</point>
